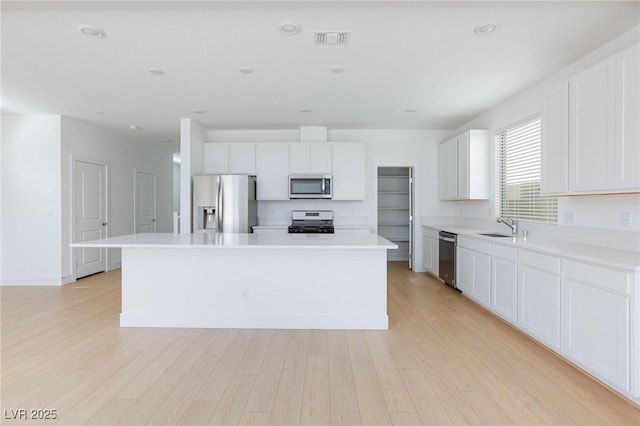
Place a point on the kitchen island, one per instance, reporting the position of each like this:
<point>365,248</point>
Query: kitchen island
<point>308,281</point>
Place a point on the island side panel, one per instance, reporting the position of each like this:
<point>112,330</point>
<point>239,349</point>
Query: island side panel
<point>333,288</point>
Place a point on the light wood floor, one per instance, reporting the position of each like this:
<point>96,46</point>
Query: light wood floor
<point>442,361</point>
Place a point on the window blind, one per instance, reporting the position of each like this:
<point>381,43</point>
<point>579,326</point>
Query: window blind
<point>518,180</point>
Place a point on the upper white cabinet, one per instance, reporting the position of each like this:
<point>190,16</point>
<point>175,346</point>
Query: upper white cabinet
<point>463,167</point>
<point>272,162</point>
<point>321,157</point>
<point>242,158</point>
<point>554,146</point>
<point>272,170</point>
<point>627,147</point>
<point>216,158</point>
<point>310,157</point>
<point>592,128</point>
<point>235,158</point>
<point>348,171</point>
<point>448,169</point>
<point>591,132</point>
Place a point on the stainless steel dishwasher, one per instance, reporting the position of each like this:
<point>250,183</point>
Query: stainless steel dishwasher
<point>447,253</point>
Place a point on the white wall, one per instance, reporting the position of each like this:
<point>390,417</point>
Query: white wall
<point>192,136</point>
<point>83,141</point>
<point>590,211</point>
<point>31,200</point>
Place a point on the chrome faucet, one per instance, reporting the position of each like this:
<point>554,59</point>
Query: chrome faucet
<point>511,223</point>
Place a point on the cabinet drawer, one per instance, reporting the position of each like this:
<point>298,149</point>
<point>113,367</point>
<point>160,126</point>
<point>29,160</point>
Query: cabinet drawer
<point>505,252</point>
<point>539,261</point>
<point>475,244</point>
<point>606,278</point>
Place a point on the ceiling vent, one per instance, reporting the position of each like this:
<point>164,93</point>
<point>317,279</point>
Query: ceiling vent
<point>332,37</point>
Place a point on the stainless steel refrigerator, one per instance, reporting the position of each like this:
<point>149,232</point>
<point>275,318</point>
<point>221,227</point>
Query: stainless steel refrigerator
<point>224,203</point>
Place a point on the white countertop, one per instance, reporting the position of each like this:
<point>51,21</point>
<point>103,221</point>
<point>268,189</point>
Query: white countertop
<point>357,227</point>
<point>250,241</point>
<point>589,253</point>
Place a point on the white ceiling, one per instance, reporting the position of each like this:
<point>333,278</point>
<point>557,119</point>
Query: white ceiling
<point>421,55</point>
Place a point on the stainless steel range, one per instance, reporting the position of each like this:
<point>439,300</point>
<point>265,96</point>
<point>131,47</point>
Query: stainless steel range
<point>311,222</point>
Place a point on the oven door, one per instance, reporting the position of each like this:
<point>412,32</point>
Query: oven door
<point>309,186</point>
<point>447,253</point>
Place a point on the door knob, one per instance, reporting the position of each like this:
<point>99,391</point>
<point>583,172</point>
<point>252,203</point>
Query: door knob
<point>153,220</point>
<point>104,223</point>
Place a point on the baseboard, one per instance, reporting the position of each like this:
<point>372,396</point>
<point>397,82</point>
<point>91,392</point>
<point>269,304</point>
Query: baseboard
<point>322,322</point>
<point>25,281</point>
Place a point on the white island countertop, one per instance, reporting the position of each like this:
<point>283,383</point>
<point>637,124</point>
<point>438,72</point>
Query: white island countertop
<point>240,241</point>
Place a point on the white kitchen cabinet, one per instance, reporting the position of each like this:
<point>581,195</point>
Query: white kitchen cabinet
<point>592,128</point>
<point>216,158</point>
<point>310,157</point>
<point>539,296</point>
<point>272,171</point>
<point>321,158</point>
<point>299,157</point>
<point>348,171</point>
<point>591,132</point>
<point>430,251</point>
<point>555,142</point>
<point>604,125</point>
<point>448,169</point>
<point>504,282</point>
<point>463,167</point>
<point>627,145</point>
<point>596,320</point>
<point>473,269</point>
<point>223,158</point>
<point>242,158</point>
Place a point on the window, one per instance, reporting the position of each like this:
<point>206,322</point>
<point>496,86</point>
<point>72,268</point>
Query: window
<point>518,169</point>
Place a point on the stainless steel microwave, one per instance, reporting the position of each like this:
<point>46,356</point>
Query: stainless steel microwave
<point>310,186</point>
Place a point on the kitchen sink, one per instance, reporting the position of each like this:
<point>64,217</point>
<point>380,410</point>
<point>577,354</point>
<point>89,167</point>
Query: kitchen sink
<point>496,235</point>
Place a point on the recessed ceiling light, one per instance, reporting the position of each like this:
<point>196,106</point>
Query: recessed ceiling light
<point>199,111</point>
<point>101,113</point>
<point>133,127</point>
<point>410,110</point>
<point>289,28</point>
<point>246,70</point>
<point>155,71</point>
<point>485,29</point>
<point>337,69</point>
<point>305,109</point>
<point>90,31</point>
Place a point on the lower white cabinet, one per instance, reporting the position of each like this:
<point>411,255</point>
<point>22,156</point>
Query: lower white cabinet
<point>473,271</point>
<point>504,282</point>
<point>587,312</point>
<point>596,321</point>
<point>539,296</point>
<point>430,258</point>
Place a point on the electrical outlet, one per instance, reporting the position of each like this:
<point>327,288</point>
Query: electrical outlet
<point>625,219</point>
<point>569,217</point>
<point>245,294</point>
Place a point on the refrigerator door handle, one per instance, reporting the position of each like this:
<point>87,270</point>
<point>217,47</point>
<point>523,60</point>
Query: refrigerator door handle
<point>220,201</point>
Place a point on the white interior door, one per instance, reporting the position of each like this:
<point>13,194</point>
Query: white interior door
<point>90,207</point>
<point>145,202</point>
